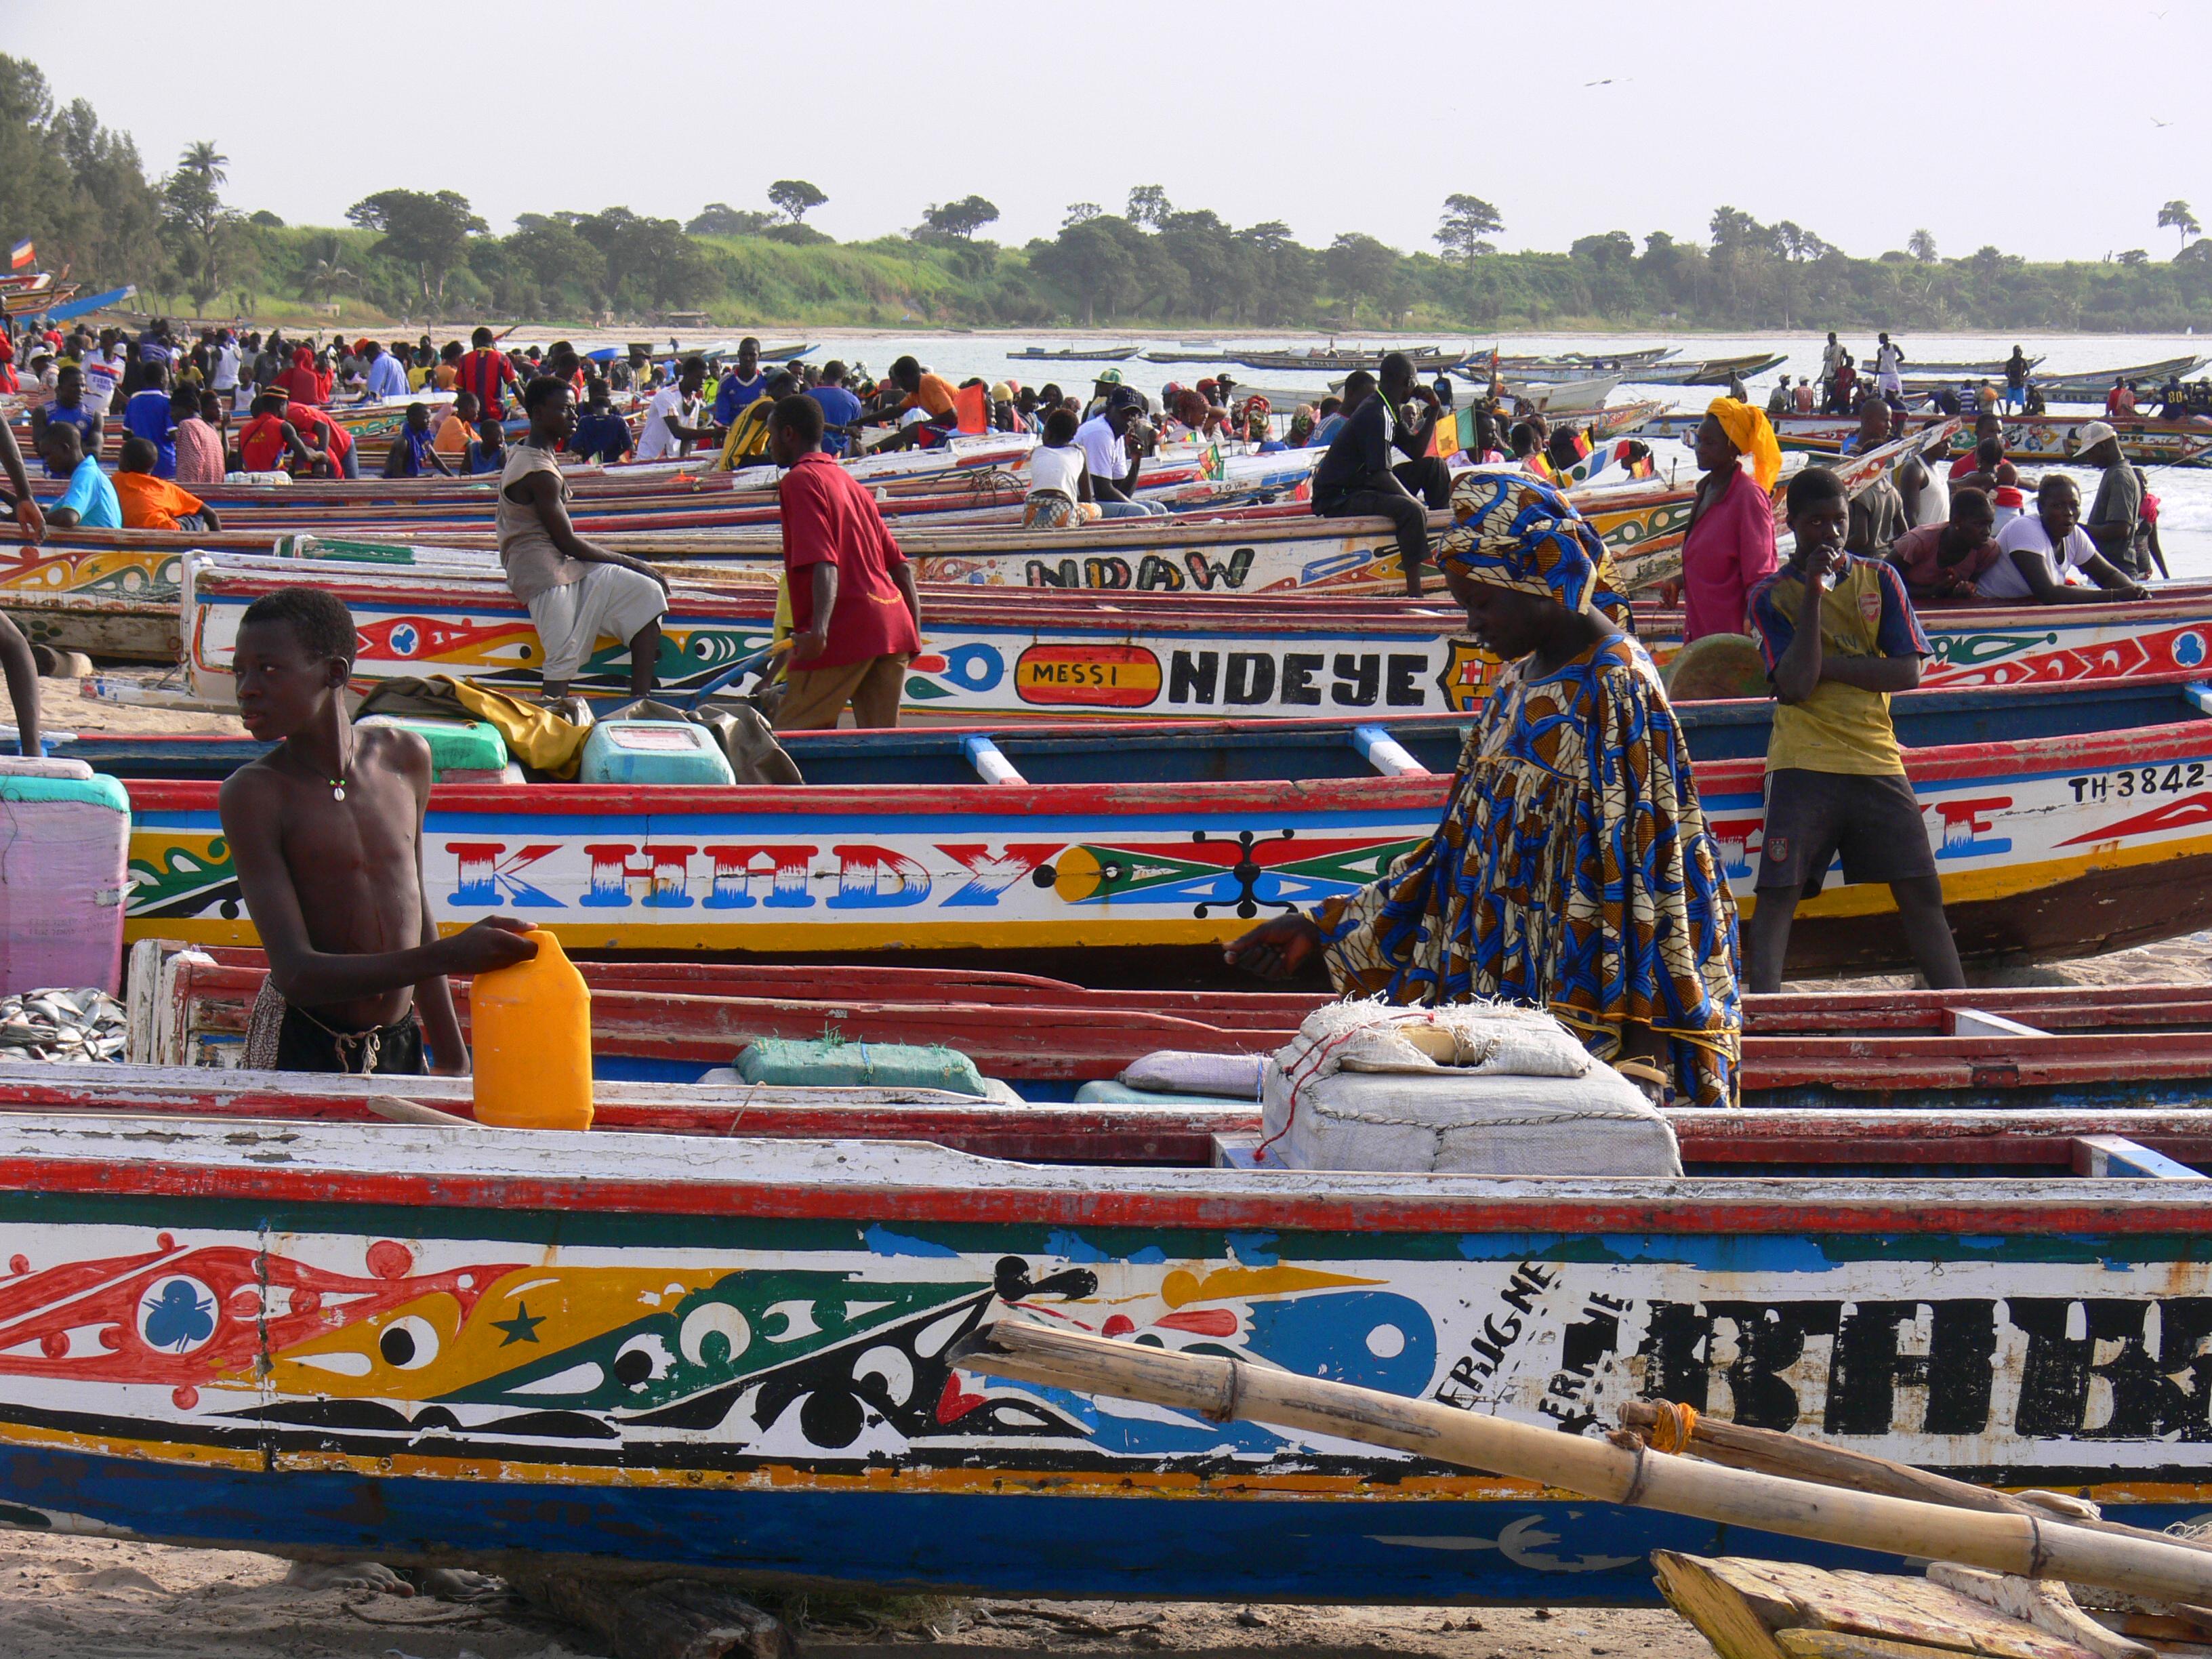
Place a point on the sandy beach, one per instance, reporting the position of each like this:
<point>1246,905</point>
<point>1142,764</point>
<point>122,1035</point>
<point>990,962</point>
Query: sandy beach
<point>96,1598</point>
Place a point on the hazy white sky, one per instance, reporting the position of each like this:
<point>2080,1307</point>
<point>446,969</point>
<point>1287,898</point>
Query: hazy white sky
<point>1852,118</point>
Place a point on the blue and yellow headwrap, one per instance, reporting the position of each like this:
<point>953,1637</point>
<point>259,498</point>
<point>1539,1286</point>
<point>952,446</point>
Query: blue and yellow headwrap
<point>1511,531</point>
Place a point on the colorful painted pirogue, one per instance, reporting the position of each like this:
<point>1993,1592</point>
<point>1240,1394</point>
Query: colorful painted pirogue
<point>1235,549</point>
<point>2079,1048</point>
<point>2065,822</point>
<point>990,653</point>
<point>736,1355</point>
<point>2029,440</point>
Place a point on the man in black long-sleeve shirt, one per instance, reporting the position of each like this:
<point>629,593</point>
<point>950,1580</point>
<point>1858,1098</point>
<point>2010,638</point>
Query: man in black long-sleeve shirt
<point>1356,477</point>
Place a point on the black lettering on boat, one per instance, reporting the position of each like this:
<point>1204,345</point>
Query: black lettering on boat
<point>1065,573</point>
<point>1106,572</point>
<point>1299,668</point>
<point>1403,688</point>
<point>1191,677</point>
<point>1206,572</point>
<point>1251,678</point>
<point>1155,572</point>
<point>1358,680</point>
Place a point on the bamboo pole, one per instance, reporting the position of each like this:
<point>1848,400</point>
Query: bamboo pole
<point>2029,1545</point>
<point>1768,1451</point>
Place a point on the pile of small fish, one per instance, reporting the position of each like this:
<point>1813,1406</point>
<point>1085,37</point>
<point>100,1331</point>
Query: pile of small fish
<point>84,1026</point>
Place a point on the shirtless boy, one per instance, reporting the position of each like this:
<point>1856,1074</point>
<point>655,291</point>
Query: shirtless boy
<point>325,832</point>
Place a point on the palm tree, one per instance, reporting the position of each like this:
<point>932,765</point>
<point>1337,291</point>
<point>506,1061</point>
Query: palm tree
<point>325,274</point>
<point>207,161</point>
<point>2176,216</point>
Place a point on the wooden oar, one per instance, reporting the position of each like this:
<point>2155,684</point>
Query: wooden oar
<point>2032,1546</point>
<point>396,1110</point>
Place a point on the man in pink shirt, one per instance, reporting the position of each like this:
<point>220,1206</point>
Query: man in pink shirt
<point>1729,549</point>
<point>855,612</point>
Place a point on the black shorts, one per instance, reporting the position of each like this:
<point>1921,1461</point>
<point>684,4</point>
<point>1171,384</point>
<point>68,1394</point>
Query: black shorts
<point>1874,822</point>
<point>306,1044</point>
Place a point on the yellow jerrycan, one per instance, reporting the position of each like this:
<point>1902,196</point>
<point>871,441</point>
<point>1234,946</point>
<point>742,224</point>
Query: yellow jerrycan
<point>531,1027</point>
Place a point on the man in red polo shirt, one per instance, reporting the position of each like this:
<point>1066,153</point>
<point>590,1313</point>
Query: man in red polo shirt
<point>488,373</point>
<point>855,613</point>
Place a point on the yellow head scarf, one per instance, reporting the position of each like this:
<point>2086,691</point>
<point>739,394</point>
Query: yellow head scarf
<point>1753,434</point>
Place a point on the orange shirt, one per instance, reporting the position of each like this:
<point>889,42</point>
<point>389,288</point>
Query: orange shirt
<point>934,398</point>
<point>454,436</point>
<point>152,503</point>
<point>445,377</point>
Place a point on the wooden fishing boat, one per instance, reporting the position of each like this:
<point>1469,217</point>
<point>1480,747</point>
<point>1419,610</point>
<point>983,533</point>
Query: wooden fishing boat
<point>1711,371</point>
<point>1073,354</point>
<point>698,1355</point>
<point>2073,1047</point>
<point>1336,360</point>
<point>1210,354</point>
<point>2087,386</point>
<point>1566,396</point>
<point>2065,824</point>
<point>2030,440</point>
<point>994,654</point>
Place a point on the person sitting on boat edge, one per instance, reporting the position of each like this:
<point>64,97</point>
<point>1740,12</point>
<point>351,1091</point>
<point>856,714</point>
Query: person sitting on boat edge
<point>2115,519</point>
<point>457,430</point>
<point>1838,635</point>
<point>671,418</point>
<point>2040,547</point>
<point>1104,441</point>
<point>745,444</point>
<point>931,394</point>
<point>576,590</point>
<point>199,436</point>
<point>855,611</point>
<point>1877,512</point>
<point>1778,400</point>
<point>90,499</point>
<point>1059,479</point>
<point>325,834</point>
<point>487,451</point>
<point>1359,476</point>
<point>741,386</point>
<point>1942,561</point>
<point>67,408</point>
<point>268,442</point>
<point>1613,911</point>
<point>1730,547</point>
<point>840,408</point>
<point>149,501</point>
<point>414,452</point>
<point>601,435</point>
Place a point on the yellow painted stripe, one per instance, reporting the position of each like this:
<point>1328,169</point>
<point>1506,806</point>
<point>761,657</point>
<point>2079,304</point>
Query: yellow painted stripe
<point>1111,1483</point>
<point>2003,880</point>
<point>669,930</point>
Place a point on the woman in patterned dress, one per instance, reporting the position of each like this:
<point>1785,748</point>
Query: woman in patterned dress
<point>1572,871</point>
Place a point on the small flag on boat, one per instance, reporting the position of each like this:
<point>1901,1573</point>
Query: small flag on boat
<point>21,254</point>
<point>1209,465</point>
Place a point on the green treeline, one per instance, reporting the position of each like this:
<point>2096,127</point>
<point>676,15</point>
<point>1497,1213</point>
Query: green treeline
<point>83,193</point>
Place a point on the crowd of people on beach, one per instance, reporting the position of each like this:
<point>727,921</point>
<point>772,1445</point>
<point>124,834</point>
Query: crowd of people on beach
<point>1652,981</point>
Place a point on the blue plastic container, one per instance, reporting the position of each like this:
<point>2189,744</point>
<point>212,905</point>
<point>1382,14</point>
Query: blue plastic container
<point>653,752</point>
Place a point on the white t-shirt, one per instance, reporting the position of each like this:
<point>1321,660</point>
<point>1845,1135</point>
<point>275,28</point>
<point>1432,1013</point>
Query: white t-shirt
<point>1057,469</point>
<point>101,376</point>
<point>2025,534</point>
<point>1888,359</point>
<point>656,443</point>
<point>226,367</point>
<point>1107,454</point>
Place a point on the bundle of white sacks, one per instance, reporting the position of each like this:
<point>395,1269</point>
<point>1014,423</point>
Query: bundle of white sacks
<point>1486,1088</point>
